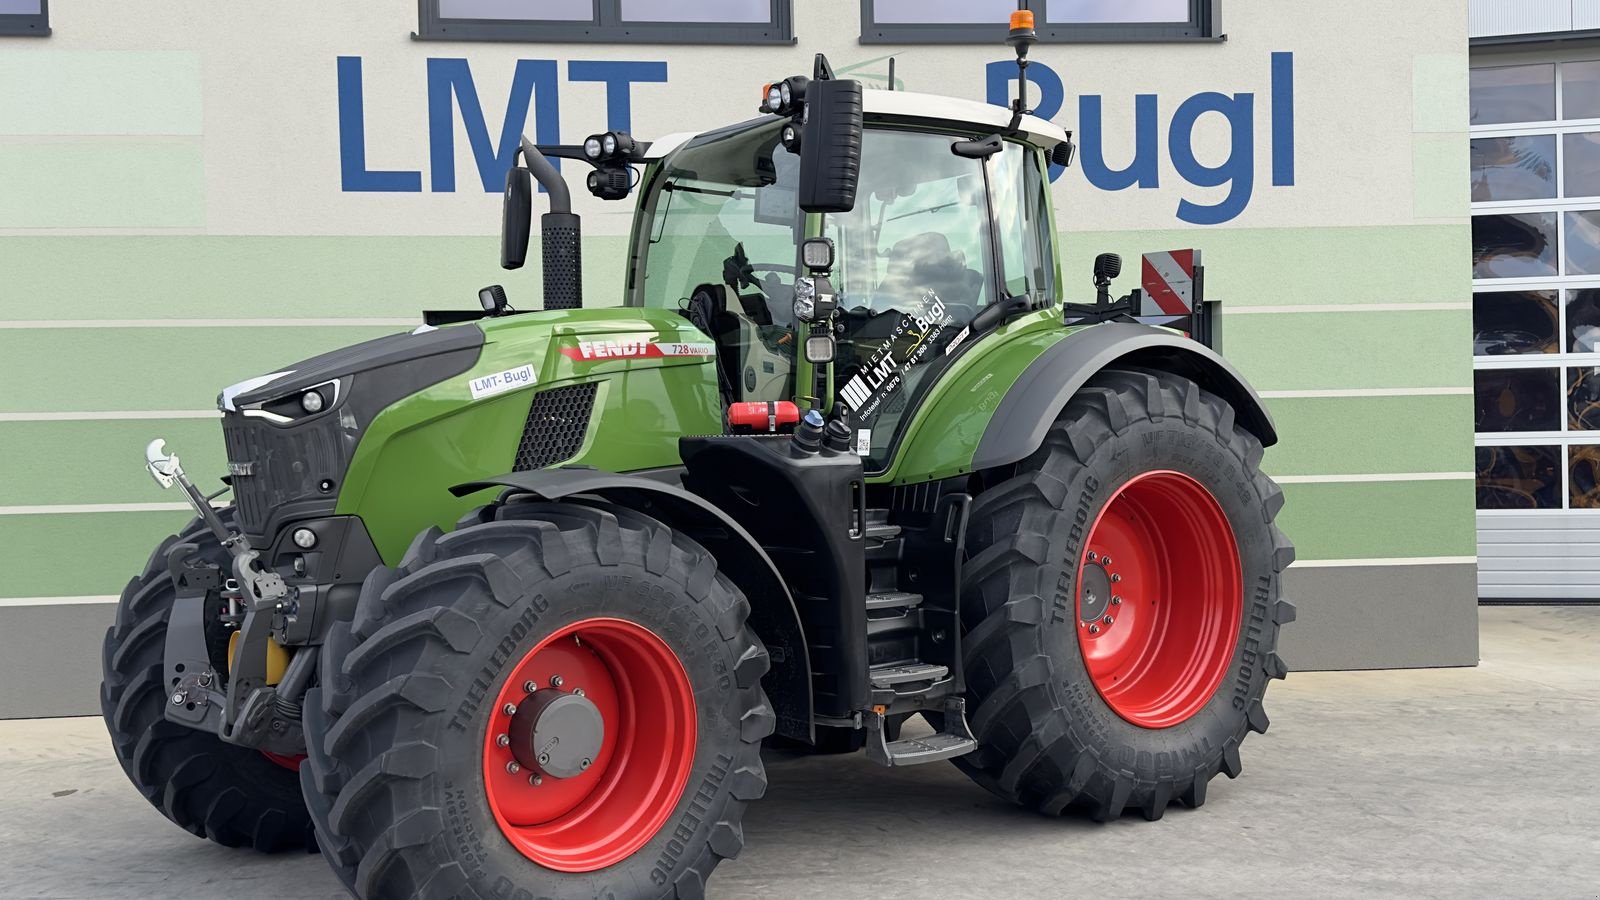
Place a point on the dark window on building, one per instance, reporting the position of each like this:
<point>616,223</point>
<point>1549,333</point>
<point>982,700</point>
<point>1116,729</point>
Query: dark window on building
<point>29,18</point>
<point>1583,242</point>
<point>1582,164</point>
<point>609,21</point>
<point>1519,477</point>
<point>1509,322</point>
<point>1514,168</point>
<point>1514,94</point>
<point>1583,478</point>
<point>1059,21</point>
<point>1517,399</point>
<point>1583,320</point>
<point>1514,245</point>
<point>1583,398</point>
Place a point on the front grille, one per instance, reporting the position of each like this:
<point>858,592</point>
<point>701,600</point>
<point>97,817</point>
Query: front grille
<point>274,466</point>
<point>558,420</point>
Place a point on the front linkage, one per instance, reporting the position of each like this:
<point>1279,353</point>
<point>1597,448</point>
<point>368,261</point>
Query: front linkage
<point>239,705</point>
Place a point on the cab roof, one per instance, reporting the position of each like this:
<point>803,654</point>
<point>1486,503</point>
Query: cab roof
<point>906,106</point>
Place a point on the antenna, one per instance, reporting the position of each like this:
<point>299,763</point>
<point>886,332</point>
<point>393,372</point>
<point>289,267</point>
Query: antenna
<point>891,73</point>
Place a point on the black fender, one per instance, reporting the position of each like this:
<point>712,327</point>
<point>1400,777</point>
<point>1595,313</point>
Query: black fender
<point>773,614</point>
<point>1026,413</point>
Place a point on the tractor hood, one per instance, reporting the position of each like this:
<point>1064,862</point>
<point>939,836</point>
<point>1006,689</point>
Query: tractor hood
<point>367,356</point>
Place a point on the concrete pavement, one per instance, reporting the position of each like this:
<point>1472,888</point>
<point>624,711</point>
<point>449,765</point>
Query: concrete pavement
<point>1448,783</point>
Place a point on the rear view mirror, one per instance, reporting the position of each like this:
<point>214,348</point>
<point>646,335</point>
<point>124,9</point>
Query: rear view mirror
<point>516,219</point>
<point>830,148</point>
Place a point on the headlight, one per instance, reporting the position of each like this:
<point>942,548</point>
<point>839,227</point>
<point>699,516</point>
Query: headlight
<point>785,93</point>
<point>805,299</point>
<point>610,144</point>
<point>311,402</point>
<point>592,148</point>
<point>304,538</point>
<point>775,98</point>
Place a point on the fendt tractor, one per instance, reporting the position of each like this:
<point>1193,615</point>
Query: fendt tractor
<point>506,607</point>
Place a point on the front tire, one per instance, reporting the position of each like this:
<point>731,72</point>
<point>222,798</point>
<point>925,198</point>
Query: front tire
<point>229,794</point>
<point>1121,603</point>
<point>422,775</point>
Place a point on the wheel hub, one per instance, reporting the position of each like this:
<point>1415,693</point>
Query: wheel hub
<point>1096,597</point>
<point>556,733</point>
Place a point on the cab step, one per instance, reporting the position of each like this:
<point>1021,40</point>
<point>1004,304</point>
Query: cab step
<point>890,675</point>
<point>893,600</point>
<point>955,740</point>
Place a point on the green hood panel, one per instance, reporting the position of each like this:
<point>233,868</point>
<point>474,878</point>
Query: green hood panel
<point>655,377</point>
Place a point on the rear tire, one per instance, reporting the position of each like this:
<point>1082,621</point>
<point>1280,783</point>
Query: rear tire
<point>1064,720</point>
<point>229,794</point>
<point>413,796</point>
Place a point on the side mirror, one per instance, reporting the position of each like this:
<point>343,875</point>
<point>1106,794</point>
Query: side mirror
<point>830,148</point>
<point>516,220</point>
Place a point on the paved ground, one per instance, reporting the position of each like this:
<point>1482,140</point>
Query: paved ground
<point>1444,783</point>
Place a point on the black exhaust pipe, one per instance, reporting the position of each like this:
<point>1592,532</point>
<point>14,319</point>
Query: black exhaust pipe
<point>560,235</point>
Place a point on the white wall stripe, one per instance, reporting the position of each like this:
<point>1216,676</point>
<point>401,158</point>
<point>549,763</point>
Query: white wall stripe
<point>1369,392</point>
<point>112,415</point>
<point>70,508</point>
<point>6,602</point>
<point>1389,476</point>
<point>208,323</point>
<point>1343,308</point>
<point>1398,561</point>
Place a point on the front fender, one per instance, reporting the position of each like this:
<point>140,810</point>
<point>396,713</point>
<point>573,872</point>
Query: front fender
<point>1030,407</point>
<point>773,614</point>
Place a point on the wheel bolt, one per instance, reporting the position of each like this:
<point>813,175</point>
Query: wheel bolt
<point>1115,578</point>
<point>535,780</point>
<point>578,691</point>
<point>555,681</point>
<point>529,687</point>
<point>513,768</point>
<point>503,740</point>
<point>509,709</point>
<point>1108,620</point>
<point>585,764</point>
<point>544,759</point>
<point>1094,629</point>
<point>1093,557</point>
<point>178,697</point>
<point>1106,561</point>
<point>1115,600</point>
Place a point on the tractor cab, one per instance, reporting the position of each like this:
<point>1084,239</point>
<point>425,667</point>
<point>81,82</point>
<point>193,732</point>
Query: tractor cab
<point>913,264</point>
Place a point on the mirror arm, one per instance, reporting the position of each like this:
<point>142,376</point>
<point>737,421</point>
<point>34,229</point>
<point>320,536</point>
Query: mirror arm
<point>548,177</point>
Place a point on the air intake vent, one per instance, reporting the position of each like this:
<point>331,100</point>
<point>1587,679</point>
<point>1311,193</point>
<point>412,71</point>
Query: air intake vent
<point>557,423</point>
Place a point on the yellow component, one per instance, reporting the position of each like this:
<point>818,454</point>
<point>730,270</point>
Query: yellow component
<point>277,657</point>
<point>1020,19</point>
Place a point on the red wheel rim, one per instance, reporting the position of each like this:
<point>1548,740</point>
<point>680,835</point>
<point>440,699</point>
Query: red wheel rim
<point>1160,598</point>
<point>604,814</point>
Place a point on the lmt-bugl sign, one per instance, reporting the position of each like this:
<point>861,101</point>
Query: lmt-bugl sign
<point>536,89</point>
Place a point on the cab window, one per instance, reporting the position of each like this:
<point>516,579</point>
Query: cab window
<point>718,242</point>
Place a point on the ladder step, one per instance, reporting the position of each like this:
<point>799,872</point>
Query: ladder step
<point>906,673</point>
<point>893,600</point>
<point>882,531</point>
<point>934,747</point>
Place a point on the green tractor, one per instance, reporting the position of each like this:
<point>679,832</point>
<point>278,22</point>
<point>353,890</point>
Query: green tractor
<point>507,606</point>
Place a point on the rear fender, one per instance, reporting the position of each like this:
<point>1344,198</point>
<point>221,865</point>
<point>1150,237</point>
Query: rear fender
<point>773,615</point>
<point>1031,406</point>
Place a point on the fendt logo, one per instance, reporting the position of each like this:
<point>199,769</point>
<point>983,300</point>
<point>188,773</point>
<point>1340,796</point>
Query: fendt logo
<point>535,100</point>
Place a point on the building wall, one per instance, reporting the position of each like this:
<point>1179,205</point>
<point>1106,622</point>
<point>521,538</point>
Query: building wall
<point>178,212</point>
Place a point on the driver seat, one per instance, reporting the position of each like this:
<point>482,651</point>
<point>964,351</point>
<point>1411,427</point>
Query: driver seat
<point>925,261</point>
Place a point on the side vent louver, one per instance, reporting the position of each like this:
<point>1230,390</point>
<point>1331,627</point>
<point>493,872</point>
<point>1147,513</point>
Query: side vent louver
<point>558,420</point>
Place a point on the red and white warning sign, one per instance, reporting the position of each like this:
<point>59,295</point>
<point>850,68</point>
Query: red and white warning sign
<point>1169,280</point>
